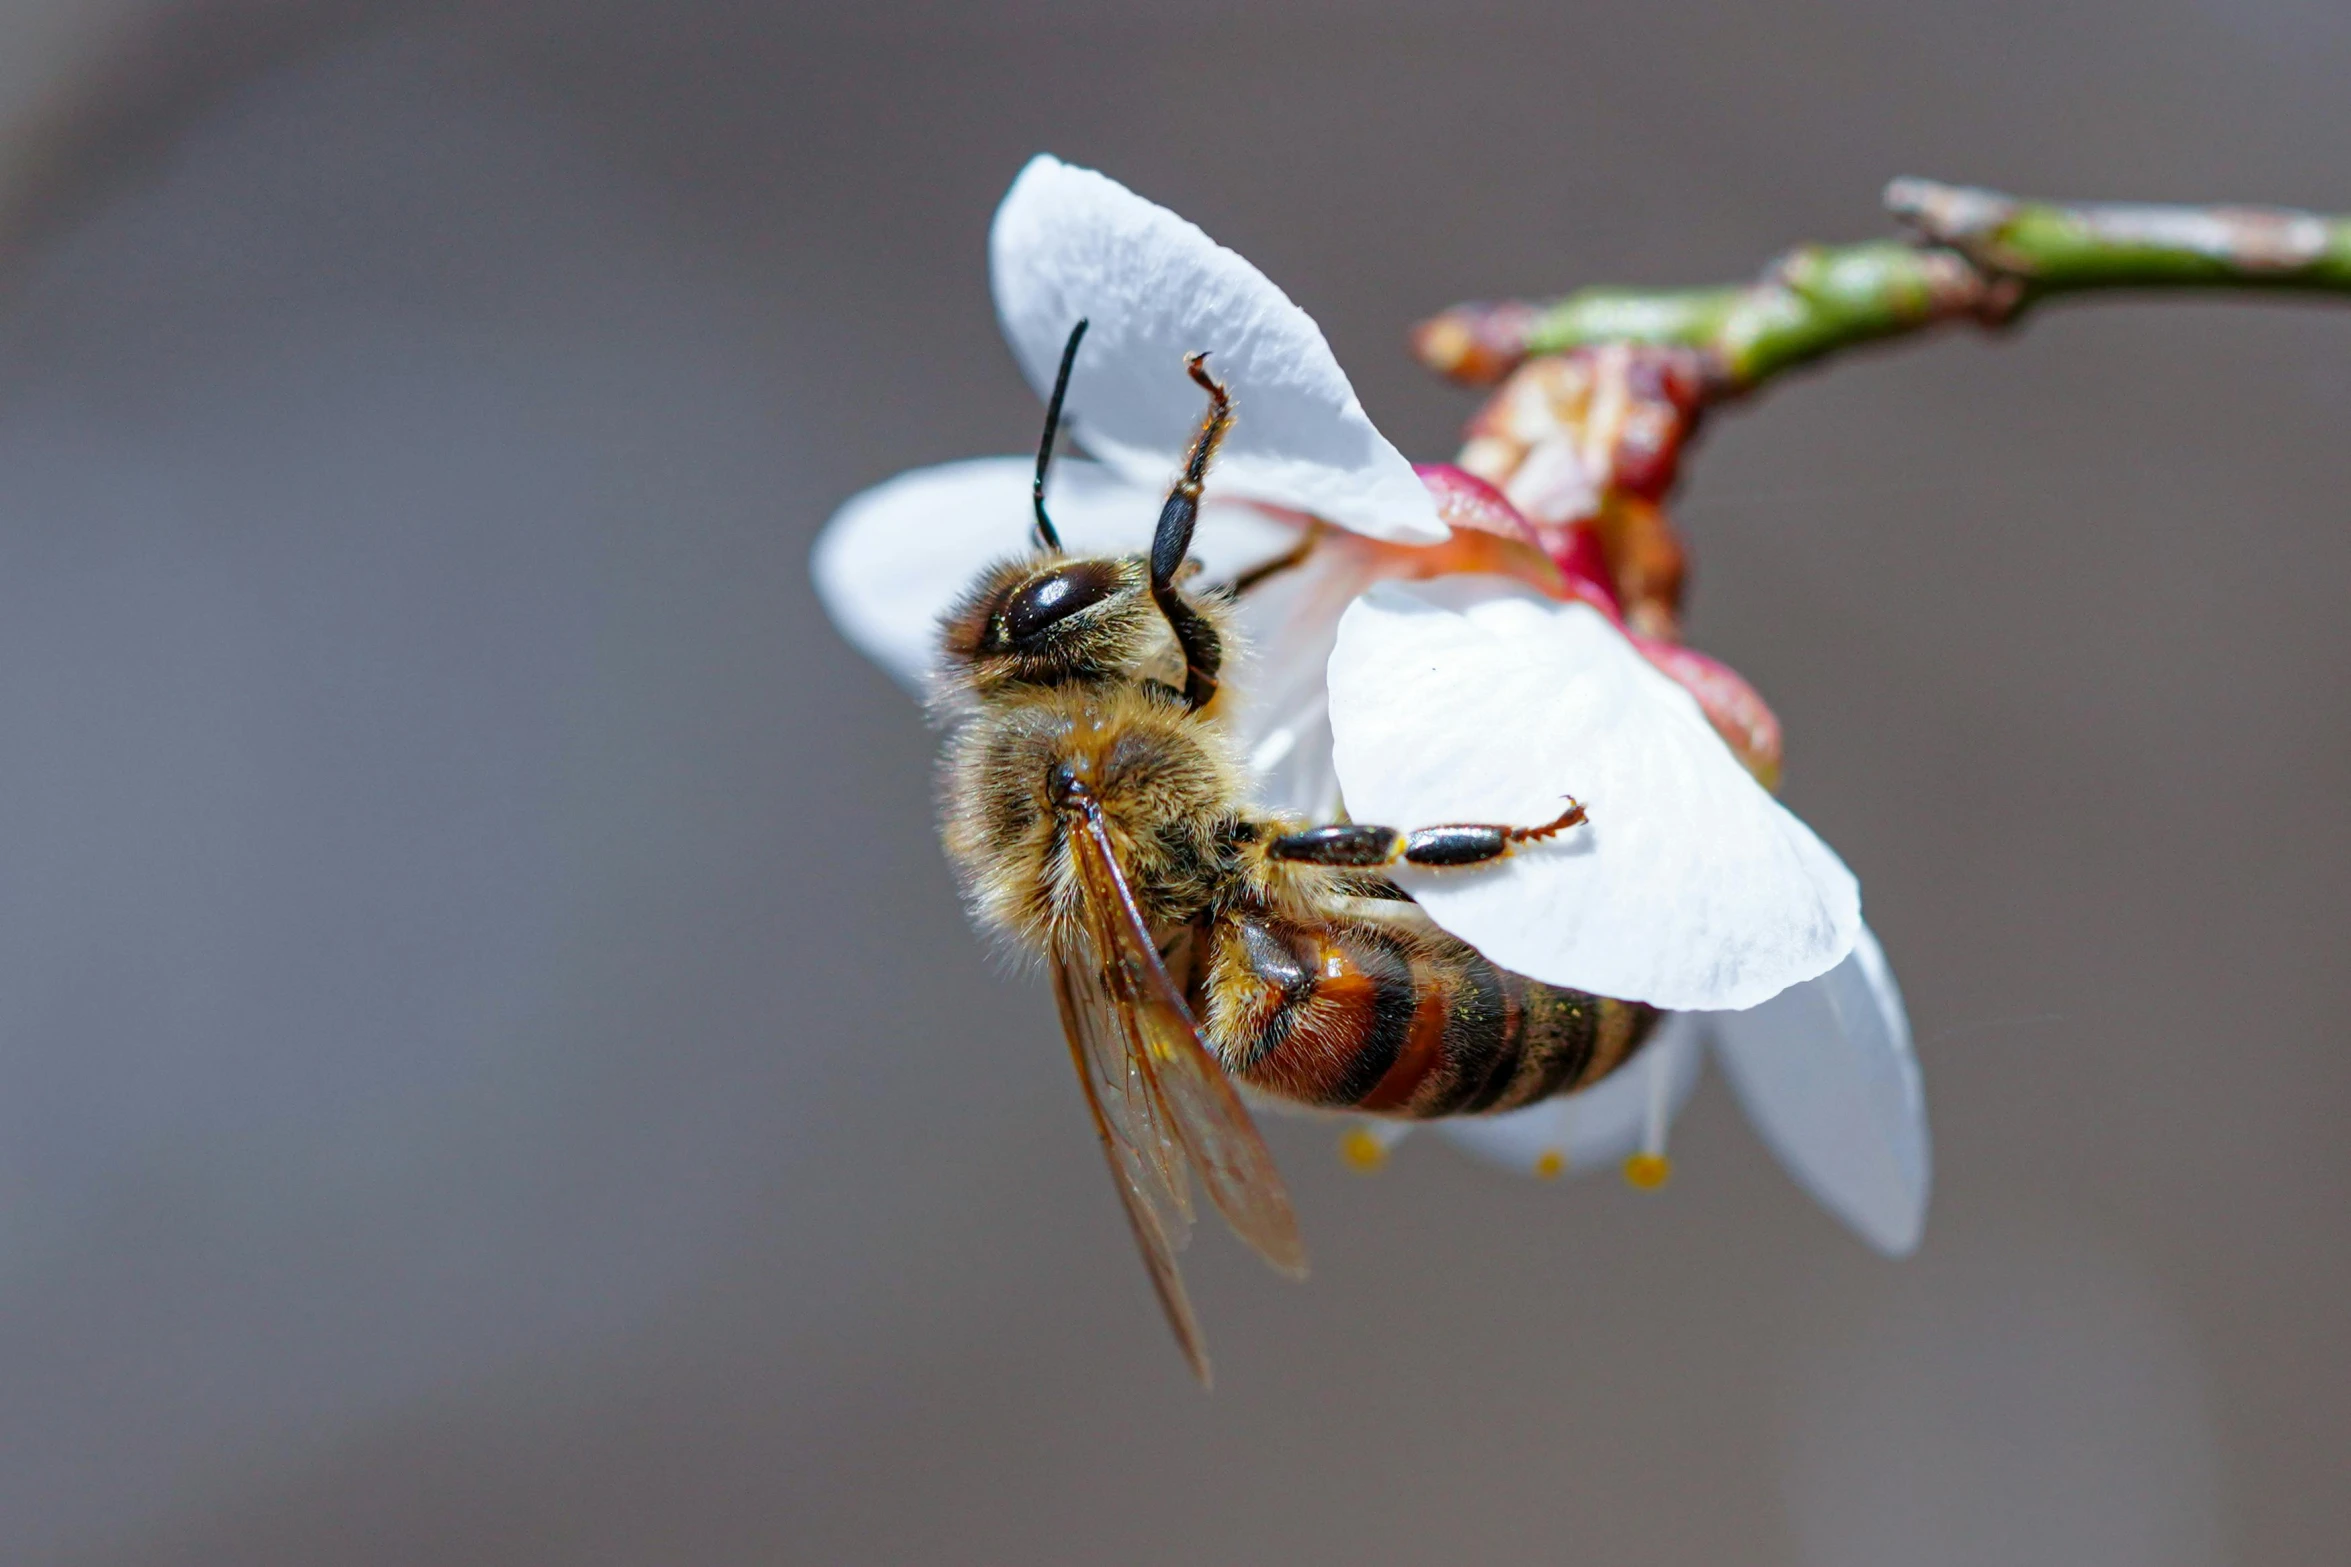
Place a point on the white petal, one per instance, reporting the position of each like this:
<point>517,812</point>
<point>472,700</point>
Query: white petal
<point>1281,701</point>
<point>896,556</point>
<point>1593,1129</point>
<point>1826,1073</point>
<point>1472,699</point>
<point>1069,243</point>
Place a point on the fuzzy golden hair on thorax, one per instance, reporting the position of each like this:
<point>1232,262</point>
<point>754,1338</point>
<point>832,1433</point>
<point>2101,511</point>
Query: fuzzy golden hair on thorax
<point>1169,785</point>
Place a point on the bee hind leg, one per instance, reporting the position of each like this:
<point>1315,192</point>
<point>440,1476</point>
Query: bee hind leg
<point>1360,846</point>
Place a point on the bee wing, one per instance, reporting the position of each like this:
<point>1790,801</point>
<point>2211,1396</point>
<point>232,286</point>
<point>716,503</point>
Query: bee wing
<point>1185,1086</point>
<point>1158,1207</point>
<point>1142,1145</point>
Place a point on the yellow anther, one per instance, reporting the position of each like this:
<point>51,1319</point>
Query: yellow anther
<point>1363,1152</point>
<point>1648,1171</point>
<point>1550,1164</point>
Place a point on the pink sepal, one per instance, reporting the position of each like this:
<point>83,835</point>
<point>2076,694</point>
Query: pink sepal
<point>1466,501</point>
<point>1747,725</point>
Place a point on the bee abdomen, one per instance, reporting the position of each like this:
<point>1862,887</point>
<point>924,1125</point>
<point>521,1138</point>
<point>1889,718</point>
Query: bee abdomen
<point>1364,1015</point>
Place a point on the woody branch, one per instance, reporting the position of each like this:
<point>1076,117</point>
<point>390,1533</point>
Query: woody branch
<point>1600,392</point>
<point>1974,255</point>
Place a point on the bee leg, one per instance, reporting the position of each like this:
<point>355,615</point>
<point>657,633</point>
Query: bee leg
<point>1295,555</point>
<point>1173,542</point>
<point>1357,845</point>
<point>1353,844</point>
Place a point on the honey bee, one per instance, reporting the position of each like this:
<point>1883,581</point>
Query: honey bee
<point>1098,813</point>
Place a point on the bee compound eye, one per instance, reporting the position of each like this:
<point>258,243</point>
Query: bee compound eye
<point>1039,605</point>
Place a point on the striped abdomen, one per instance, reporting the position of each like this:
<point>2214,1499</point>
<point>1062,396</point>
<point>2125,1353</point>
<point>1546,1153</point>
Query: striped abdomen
<point>1368,1014</point>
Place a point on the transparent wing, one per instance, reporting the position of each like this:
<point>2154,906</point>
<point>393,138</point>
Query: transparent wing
<point>1102,1041</point>
<point>1187,1091</point>
<point>1096,1045</point>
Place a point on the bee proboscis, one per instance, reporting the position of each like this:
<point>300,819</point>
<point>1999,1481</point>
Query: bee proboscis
<point>1098,812</point>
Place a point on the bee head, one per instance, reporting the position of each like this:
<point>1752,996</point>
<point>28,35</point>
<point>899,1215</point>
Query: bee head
<point>1054,620</point>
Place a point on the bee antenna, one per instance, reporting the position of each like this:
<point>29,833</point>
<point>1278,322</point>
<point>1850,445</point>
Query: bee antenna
<point>1046,537</point>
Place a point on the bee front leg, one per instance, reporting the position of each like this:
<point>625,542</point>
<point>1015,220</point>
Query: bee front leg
<point>1360,846</point>
<point>1292,557</point>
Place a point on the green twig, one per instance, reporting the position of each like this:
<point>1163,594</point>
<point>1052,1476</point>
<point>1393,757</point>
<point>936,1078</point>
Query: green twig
<point>1976,256</point>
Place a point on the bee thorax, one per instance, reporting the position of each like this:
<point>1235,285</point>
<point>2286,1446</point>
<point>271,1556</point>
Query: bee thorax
<point>1025,769</point>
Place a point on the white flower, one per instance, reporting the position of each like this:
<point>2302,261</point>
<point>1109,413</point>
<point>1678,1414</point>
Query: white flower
<point>1069,244</point>
<point>1823,1069</point>
<point>1466,697</point>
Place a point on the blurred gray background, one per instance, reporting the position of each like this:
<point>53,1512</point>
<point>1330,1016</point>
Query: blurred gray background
<point>492,1070</point>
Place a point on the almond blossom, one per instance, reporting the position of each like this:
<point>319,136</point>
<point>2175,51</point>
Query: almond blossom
<point>1430,657</point>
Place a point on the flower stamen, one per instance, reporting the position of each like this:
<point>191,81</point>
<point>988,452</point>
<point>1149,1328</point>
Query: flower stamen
<point>1364,1146</point>
<point>1649,1168</point>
